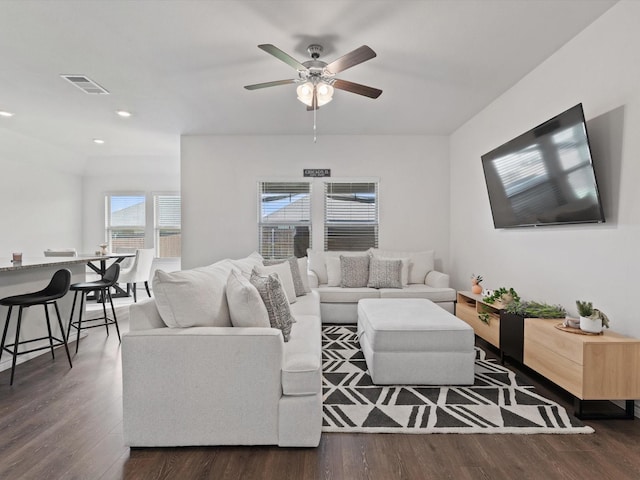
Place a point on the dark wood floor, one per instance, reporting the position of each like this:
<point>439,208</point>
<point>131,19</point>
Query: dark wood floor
<point>62,423</point>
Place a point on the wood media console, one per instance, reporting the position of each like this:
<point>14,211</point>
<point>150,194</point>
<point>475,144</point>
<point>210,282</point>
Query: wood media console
<point>590,367</point>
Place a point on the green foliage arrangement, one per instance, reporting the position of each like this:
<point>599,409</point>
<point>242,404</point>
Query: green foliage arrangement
<point>484,317</point>
<point>535,310</point>
<point>585,309</point>
<point>476,278</point>
<point>503,295</point>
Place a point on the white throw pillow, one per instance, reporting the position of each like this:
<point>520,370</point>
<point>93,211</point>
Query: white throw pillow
<point>304,273</point>
<point>296,275</point>
<point>334,271</point>
<point>245,303</point>
<point>284,274</point>
<point>246,264</point>
<point>191,298</point>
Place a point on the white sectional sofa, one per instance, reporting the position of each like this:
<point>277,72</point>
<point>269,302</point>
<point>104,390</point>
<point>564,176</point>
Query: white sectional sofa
<point>339,304</point>
<point>215,384</point>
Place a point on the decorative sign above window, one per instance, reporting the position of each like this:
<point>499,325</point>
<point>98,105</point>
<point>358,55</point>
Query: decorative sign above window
<point>317,172</point>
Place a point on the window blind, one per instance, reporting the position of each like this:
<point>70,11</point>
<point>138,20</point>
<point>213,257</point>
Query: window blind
<point>351,216</point>
<point>285,219</point>
<point>125,219</point>
<point>168,220</point>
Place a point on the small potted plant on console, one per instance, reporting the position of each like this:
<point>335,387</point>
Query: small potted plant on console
<point>592,320</point>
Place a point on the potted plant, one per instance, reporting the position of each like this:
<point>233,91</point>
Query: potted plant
<point>591,319</point>
<point>475,283</point>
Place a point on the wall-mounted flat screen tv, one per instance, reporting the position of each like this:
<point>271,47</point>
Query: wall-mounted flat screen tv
<point>544,176</point>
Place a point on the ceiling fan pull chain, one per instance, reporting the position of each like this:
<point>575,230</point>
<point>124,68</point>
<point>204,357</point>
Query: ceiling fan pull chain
<point>314,103</point>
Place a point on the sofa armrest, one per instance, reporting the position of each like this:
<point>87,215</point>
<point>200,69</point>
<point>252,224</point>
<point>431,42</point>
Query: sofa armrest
<point>313,279</point>
<point>144,315</point>
<point>437,279</point>
<point>201,386</point>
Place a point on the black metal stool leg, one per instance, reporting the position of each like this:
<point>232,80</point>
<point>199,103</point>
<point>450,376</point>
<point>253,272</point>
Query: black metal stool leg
<point>135,295</point>
<point>146,286</point>
<point>6,327</point>
<point>73,307</point>
<point>46,313</point>
<point>82,296</point>
<point>115,320</point>
<point>64,340</point>
<point>105,293</point>
<point>15,346</point>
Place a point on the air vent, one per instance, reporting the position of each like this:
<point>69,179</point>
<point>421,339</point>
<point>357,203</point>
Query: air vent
<point>85,84</point>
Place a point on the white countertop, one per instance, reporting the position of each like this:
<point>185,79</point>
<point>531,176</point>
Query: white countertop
<point>38,262</point>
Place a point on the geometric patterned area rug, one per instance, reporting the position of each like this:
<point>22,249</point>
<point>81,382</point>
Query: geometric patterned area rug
<point>498,401</point>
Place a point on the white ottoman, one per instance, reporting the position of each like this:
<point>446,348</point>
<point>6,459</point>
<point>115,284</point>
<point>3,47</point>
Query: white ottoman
<point>412,341</point>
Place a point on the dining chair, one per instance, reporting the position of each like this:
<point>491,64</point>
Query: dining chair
<point>139,271</point>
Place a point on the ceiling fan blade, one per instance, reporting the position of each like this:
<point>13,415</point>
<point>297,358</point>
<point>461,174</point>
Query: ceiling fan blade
<point>355,57</point>
<point>256,86</point>
<point>357,88</point>
<point>280,55</point>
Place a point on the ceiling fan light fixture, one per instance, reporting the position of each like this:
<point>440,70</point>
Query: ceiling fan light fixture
<point>324,93</point>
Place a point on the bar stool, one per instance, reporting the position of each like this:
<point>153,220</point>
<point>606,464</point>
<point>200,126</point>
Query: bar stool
<point>57,288</point>
<point>102,286</point>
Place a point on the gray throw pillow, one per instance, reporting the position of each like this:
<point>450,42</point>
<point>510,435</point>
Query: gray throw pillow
<point>298,284</point>
<point>385,273</point>
<point>354,271</point>
<point>275,300</point>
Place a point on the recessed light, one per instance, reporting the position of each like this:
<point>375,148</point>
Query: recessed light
<point>99,141</point>
<point>123,113</point>
<point>5,114</point>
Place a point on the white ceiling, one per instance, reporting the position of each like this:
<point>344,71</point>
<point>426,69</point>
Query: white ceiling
<point>180,66</point>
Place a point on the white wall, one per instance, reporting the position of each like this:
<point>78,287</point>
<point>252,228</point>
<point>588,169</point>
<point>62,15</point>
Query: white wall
<point>219,187</point>
<point>39,209</point>
<point>599,68</point>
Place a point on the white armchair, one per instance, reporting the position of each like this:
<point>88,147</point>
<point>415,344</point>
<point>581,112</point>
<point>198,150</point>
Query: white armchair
<point>139,271</point>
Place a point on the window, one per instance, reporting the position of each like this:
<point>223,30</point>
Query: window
<point>125,222</point>
<point>167,222</point>
<point>351,216</point>
<point>285,219</point>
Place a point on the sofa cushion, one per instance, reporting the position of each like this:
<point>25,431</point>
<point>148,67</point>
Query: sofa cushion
<point>334,272</point>
<point>420,291</point>
<point>302,363</point>
<point>385,273</point>
<point>307,305</point>
<point>354,271</point>
<point>190,298</point>
<point>284,273</point>
<point>246,264</point>
<point>420,263</point>
<point>246,307</point>
<point>275,300</point>
<point>345,295</point>
<point>295,273</point>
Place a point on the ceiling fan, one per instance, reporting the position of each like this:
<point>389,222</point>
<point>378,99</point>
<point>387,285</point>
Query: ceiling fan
<point>316,79</point>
